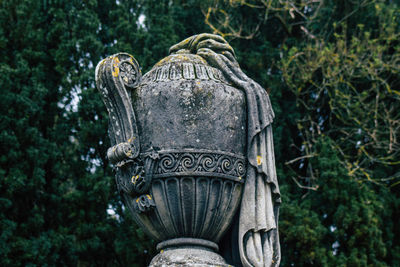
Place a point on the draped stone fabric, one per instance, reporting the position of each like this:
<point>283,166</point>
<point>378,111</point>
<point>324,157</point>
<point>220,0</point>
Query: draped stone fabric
<point>258,241</point>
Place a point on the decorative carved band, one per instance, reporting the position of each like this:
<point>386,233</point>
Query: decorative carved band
<point>190,162</point>
<point>184,71</point>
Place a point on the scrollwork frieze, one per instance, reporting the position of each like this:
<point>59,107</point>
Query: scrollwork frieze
<point>200,163</point>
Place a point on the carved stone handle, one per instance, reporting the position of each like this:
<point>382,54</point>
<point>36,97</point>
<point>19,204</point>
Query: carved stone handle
<point>114,75</point>
<point>120,153</point>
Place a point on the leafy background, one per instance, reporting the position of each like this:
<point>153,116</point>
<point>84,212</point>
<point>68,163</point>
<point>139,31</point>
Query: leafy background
<point>331,68</point>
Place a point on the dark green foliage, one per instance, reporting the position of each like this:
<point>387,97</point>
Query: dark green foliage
<point>323,62</point>
<point>342,221</point>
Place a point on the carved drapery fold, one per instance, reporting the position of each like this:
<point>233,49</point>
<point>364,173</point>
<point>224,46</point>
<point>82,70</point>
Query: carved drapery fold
<point>258,244</point>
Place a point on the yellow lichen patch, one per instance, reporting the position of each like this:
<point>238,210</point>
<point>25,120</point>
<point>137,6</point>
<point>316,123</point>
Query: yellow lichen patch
<point>203,61</point>
<point>115,72</point>
<point>137,200</point>
<point>240,178</point>
<point>134,179</point>
<point>148,196</point>
<point>259,160</point>
<point>128,153</point>
<point>162,251</point>
<point>162,61</point>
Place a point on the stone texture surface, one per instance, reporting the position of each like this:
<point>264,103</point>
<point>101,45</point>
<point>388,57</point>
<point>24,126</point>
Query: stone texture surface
<point>183,102</point>
<point>188,256</point>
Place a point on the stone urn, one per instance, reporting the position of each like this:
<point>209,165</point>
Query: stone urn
<point>183,180</point>
<point>179,140</point>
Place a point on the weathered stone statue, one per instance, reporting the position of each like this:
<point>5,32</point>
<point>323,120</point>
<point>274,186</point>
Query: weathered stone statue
<point>193,154</point>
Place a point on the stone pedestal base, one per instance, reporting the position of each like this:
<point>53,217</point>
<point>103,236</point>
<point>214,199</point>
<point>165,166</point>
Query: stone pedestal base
<point>188,252</point>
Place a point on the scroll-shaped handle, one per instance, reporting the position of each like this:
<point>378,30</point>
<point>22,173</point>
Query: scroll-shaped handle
<point>120,153</point>
<point>113,76</point>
